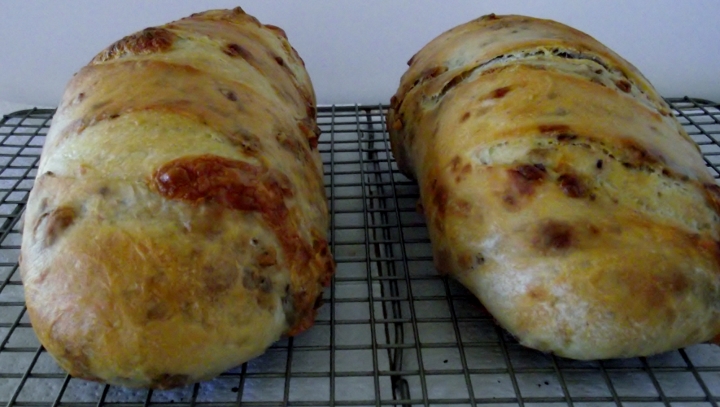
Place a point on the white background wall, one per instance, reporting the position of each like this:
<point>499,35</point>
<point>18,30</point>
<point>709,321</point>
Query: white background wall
<point>356,51</point>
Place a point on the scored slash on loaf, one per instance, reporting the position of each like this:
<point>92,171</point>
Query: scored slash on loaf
<point>559,188</point>
<point>177,225</point>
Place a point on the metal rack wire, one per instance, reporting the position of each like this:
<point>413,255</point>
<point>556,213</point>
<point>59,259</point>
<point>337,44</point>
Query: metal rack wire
<point>392,331</point>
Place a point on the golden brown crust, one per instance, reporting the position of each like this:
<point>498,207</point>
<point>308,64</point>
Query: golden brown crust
<point>559,189</point>
<point>177,227</point>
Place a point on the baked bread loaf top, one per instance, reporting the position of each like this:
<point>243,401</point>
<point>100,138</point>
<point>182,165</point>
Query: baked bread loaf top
<point>559,188</point>
<point>177,224</point>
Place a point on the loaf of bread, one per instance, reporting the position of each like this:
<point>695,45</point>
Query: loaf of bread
<point>177,226</point>
<point>559,188</point>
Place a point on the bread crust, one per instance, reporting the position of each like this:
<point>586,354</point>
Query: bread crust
<point>559,188</point>
<point>177,225</point>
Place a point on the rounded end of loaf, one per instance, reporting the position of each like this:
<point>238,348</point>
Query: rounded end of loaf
<point>140,302</point>
<point>592,289</point>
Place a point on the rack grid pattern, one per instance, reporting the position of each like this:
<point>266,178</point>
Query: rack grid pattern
<point>391,332</point>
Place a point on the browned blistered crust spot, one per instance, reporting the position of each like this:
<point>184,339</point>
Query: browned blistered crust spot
<point>528,172</point>
<point>297,56</point>
<point>628,165</point>
<point>678,282</point>
<point>430,73</point>
<point>461,172</point>
<point>237,185</point>
<point>712,195</point>
<point>464,260</point>
<point>229,94</point>
<point>462,206</point>
<point>522,181</point>
<point>566,137</point>
<point>256,280</point>
<point>455,163</point>
<point>224,15</point>
<point>456,80</point>
<point>218,279</point>
<point>235,50</point>
<point>572,186</point>
<point>311,110</point>
<point>306,302</point>
<point>554,129</point>
<point>311,131</point>
<point>509,200</point>
<point>639,154</point>
<point>313,143</point>
<point>464,117</point>
<point>295,147</point>
<point>78,99</point>
<point>657,291</point>
<point>623,85</point>
<point>598,81</point>
<point>148,41</point>
<point>538,294</point>
<point>500,92</point>
<point>248,143</point>
<point>279,31</point>
<point>494,70</point>
<point>708,246</point>
<point>55,223</point>
<point>439,197</point>
<point>157,311</point>
<point>553,236</point>
<point>267,258</point>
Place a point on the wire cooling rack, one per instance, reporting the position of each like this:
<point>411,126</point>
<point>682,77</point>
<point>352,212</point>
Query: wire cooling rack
<point>392,332</point>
